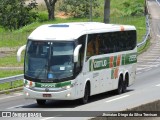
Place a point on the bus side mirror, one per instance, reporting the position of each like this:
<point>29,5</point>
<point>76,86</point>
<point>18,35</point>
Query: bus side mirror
<point>76,53</point>
<point>19,52</point>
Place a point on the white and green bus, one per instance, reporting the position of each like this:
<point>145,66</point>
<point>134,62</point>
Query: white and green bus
<point>70,61</point>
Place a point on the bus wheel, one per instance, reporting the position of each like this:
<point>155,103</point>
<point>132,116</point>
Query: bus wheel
<point>41,102</point>
<point>124,86</point>
<point>125,83</point>
<point>120,86</point>
<point>84,100</point>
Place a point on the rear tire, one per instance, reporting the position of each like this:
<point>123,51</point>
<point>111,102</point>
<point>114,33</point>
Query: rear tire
<point>119,90</point>
<point>41,102</point>
<point>85,98</point>
<point>124,86</point>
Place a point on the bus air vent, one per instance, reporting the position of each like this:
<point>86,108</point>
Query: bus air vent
<point>61,25</point>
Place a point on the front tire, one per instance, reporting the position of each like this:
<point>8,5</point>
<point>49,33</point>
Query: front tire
<point>85,98</point>
<point>41,102</point>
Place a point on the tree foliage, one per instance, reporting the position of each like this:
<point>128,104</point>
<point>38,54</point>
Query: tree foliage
<point>79,8</point>
<point>15,13</point>
<point>132,9</point>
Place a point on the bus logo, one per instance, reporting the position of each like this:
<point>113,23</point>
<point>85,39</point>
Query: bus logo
<point>47,90</point>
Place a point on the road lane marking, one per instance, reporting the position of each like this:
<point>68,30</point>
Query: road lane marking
<point>148,59</point>
<point>148,69</point>
<point>15,106</point>
<point>138,73</point>
<point>148,65</point>
<point>153,52</point>
<point>50,117</point>
<point>158,35</point>
<point>117,98</point>
<point>47,118</point>
<point>158,85</point>
<point>155,49</point>
<point>153,62</point>
<point>138,69</point>
<point>11,96</point>
<point>143,68</point>
<point>155,56</point>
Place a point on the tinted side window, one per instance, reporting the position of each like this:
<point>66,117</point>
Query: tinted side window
<point>110,42</point>
<point>117,41</point>
<point>132,38</point>
<point>93,45</point>
<point>90,46</point>
<point>127,40</point>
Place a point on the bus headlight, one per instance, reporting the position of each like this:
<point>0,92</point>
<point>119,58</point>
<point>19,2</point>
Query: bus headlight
<point>68,86</point>
<point>29,84</point>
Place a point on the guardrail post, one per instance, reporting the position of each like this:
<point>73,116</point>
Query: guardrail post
<point>11,79</point>
<point>11,84</point>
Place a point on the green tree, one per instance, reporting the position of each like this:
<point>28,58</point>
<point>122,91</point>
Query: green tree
<point>78,8</point>
<point>51,8</point>
<point>15,14</point>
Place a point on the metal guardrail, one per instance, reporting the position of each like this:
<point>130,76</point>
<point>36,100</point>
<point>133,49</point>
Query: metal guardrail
<point>11,79</point>
<point>145,38</point>
<point>147,13</point>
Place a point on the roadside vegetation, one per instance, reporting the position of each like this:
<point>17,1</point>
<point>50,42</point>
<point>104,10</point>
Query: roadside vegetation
<point>6,73</point>
<point>122,12</point>
<point>6,86</point>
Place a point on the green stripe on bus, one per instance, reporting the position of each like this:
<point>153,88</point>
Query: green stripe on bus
<point>115,61</point>
<point>130,58</point>
<point>98,64</point>
<point>107,62</point>
<point>52,85</point>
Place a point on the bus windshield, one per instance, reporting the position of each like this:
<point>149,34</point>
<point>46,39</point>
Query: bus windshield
<point>49,60</point>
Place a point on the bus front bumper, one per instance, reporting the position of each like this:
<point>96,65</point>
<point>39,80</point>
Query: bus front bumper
<point>68,94</point>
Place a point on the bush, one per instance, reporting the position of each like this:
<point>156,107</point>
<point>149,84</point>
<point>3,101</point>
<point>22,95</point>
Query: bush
<point>15,14</point>
<point>42,16</point>
<point>132,9</point>
<point>79,8</point>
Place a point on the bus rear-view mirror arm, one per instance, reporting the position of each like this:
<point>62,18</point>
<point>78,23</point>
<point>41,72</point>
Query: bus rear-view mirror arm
<point>19,52</point>
<point>76,53</point>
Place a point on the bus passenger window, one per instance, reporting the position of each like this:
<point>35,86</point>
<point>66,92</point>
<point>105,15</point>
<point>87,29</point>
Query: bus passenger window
<point>97,42</point>
<point>90,47</point>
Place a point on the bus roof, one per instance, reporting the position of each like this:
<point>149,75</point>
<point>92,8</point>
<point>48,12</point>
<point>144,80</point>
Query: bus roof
<point>72,31</point>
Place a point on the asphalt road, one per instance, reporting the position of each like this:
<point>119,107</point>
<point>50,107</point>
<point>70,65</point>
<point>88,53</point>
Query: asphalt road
<point>146,88</point>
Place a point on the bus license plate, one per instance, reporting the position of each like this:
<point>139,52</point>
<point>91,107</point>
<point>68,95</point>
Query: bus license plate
<point>47,95</point>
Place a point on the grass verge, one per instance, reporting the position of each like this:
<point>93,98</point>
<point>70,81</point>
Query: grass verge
<point>144,47</point>
<point>8,85</point>
<point>19,37</point>
<point>11,61</point>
